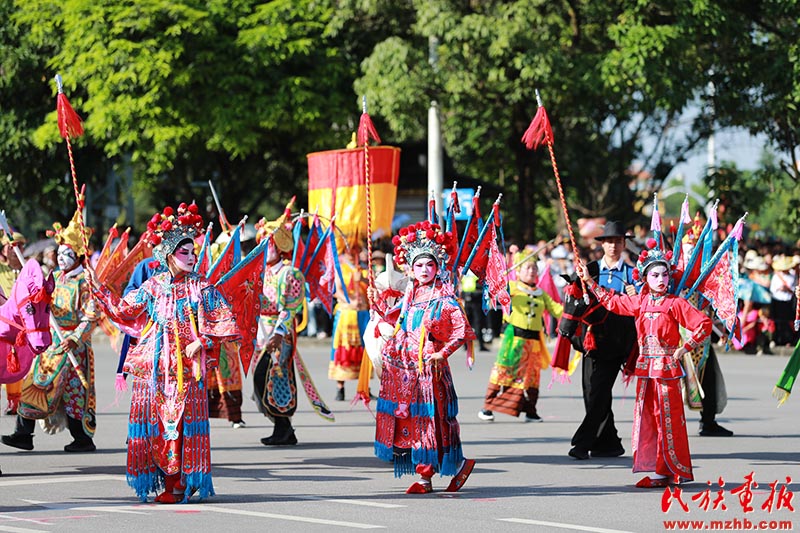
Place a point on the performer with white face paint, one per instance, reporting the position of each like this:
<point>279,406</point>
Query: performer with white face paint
<point>180,320</point>
<point>416,426</point>
<point>659,440</point>
<point>59,389</point>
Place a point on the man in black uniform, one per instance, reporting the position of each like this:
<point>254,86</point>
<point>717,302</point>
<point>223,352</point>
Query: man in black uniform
<point>615,340</point>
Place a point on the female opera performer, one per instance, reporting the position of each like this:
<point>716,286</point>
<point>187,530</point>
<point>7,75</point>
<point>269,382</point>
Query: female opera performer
<point>180,321</point>
<point>659,441</point>
<point>416,426</point>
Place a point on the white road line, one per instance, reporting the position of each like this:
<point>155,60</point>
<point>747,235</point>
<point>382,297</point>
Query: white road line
<point>77,478</point>
<point>366,503</point>
<point>12,529</point>
<point>561,525</point>
<point>109,508</point>
<point>18,519</point>
<point>138,509</point>
<point>291,518</point>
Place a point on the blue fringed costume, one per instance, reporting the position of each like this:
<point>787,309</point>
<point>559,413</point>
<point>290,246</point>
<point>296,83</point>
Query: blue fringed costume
<point>168,429</point>
<point>417,408</point>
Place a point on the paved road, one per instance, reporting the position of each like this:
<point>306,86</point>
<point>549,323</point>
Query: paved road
<point>524,480</point>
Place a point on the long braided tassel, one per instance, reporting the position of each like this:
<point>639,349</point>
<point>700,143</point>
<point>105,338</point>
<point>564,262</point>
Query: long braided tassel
<point>540,132</point>
<point>797,315</point>
<point>366,130</point>
<point>70,126</point>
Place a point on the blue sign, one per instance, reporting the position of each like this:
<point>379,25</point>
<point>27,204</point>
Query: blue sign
<point>464,200</point>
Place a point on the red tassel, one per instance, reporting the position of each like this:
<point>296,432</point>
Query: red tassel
<point>22,339</point>
<point>366,129</point>
<point>288,211</point>
<point>539,132</point>
<point>455,203</point>
<point>69,122</point>
<point>496,212</point>
<point>589,343</point>
<point>12,361</point>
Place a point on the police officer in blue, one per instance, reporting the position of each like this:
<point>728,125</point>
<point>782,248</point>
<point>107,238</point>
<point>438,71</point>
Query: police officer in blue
<point>615,340</point>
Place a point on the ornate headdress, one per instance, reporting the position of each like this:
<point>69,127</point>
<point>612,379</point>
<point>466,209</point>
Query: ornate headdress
<point>280,229</point>
<point>16,238</point>
<point>168,228</point>
<point>424,238</point>
<point>650,256</point>
<point>71,234</point>
<point>693,232</point>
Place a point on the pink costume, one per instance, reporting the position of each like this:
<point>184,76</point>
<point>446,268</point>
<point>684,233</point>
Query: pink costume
<point>168,430</point>
<point>659,439</point>
<point>416,419</point>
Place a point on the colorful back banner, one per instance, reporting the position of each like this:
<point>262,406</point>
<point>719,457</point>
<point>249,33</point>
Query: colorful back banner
<point>337,186</point>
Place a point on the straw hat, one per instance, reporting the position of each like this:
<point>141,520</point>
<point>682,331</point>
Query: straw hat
<point>753,261</point>
<point>782,263</point>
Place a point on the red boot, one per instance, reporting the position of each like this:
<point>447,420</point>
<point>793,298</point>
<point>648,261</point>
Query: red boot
<point>424,485</point>
<point>461,476</point>
<point>171,484</point>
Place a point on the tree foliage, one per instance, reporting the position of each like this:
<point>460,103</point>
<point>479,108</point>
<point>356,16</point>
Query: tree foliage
<point>238,91</point>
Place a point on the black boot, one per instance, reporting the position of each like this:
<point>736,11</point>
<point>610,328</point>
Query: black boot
<point>22,437</point>
<point>283,434</point>
<point>81,441</point>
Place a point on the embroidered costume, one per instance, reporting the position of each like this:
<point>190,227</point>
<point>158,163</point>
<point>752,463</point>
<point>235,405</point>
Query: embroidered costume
<point>659,440</point>
<point>168,429</point>
<point>59,388</point>
<point>416,426</point>
<point>349,323</point>
<point>274,375</point>
<point>514,381</point>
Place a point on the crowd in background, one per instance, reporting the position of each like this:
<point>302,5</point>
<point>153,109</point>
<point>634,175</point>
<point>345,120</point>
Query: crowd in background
<point>768,270</point>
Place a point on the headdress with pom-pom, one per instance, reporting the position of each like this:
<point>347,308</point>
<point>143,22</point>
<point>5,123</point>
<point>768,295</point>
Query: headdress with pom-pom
<point>169,227</point>
<point>425,238</point>
<point>650,256</point>
<point>71,234</point>
<point>280,229</point>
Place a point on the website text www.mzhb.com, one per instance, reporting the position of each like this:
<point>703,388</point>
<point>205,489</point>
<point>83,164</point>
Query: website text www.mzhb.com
<point>735,524</point>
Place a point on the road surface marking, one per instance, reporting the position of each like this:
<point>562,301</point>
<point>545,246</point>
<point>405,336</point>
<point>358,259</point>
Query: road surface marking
<point>12,529</point>
<point>67,479</point>
<point>366,503</point>
<point>561,525</point>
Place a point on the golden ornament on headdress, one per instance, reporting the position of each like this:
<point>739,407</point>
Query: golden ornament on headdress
<point>71,234</point>
<point>278,228</point>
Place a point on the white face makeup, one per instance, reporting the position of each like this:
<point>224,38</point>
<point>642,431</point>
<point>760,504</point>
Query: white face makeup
<point>424,270</point>
<point>184,257</point>
<point>67,258</point>
<point>528,273</point>
<point>658,279</point>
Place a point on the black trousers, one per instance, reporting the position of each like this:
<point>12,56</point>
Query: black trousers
<point>709,383</point>
<point>597,432</point>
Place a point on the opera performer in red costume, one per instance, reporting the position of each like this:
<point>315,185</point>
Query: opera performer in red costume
<point>416,426</point>
<point>180,321</point>
<point>659,440</point>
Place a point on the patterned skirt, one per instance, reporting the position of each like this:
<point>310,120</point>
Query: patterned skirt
<point>163,441</point>
<point>348,344</point>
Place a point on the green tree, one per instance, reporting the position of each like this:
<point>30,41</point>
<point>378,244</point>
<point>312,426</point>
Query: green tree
<point>491,57</point>
<point>187,91</point>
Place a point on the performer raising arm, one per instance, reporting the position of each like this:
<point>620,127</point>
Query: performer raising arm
<point>180,320</point>
<point>659,439</point>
